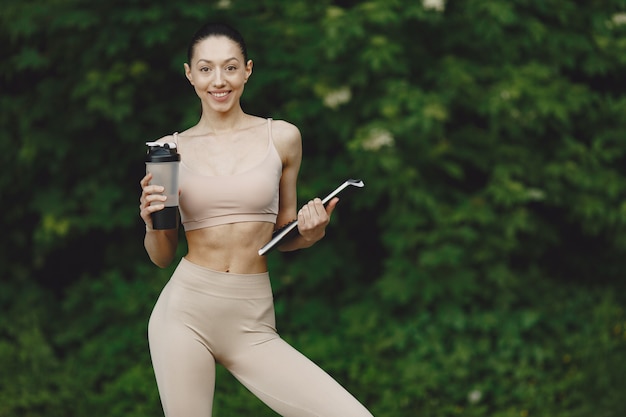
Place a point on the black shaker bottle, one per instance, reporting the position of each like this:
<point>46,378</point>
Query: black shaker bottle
<point>162,162</point>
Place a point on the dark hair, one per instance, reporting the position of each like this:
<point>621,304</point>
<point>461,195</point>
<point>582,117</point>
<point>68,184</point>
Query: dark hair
<point>217,29</point>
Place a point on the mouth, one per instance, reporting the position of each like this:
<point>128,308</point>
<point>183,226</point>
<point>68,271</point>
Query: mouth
<point>220,94</point>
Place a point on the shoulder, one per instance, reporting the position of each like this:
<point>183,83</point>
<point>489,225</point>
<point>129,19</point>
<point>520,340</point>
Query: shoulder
<point>288,141</point>
<point>286,136</point>
<point>167,139</point>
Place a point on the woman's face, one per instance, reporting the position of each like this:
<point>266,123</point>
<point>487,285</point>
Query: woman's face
<point>218,72</point>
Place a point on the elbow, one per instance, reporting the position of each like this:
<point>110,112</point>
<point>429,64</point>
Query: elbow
<point>162,262</point>
<point>162,265</point>
<point>161,249</point>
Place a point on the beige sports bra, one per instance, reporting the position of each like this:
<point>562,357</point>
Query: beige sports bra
<point>250,196</point>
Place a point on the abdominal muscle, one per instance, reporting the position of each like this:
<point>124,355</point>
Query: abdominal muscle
<point>230,247</point>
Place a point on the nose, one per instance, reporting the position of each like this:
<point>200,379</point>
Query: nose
<point>218,79</point>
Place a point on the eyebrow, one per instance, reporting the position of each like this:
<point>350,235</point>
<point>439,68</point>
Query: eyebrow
<point>210,62</point>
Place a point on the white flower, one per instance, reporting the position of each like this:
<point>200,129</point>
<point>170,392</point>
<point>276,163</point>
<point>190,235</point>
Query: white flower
<point>474,396</point>
<point>619,18</point>
<point>535,194</point>
<point>437,5</point>
<point>376,139</point>
<point>336,98</point>
<point>223,4</point>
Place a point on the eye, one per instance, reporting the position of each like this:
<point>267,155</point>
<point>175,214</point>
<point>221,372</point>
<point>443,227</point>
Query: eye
<point>231,68</point>
<point>205,69</point>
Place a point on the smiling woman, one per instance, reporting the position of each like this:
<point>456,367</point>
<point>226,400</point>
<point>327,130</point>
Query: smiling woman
<point>218,70</point>
<point>238,177</point>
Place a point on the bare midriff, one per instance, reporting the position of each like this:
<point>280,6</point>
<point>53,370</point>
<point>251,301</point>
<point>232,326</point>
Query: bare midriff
<point>230,247</point>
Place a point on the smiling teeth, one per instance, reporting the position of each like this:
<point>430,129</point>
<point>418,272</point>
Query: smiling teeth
<point>219,94</point>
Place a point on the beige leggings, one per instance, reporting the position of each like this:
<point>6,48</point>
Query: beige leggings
<point>204,317</point>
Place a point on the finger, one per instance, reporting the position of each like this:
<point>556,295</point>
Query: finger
<point>330,207</point>
<point>302,214</point>
<point>313,208</point>
<point>155,207</point>
<point>145,180</point>
<point>147,197</point>
<point>153,189</point>
<point>316,207</point>
<point>318,214</point>
<point>150,200</point>
<point>148,210</point>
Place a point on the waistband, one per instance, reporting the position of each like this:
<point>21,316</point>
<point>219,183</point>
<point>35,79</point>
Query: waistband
<point>204,280</point>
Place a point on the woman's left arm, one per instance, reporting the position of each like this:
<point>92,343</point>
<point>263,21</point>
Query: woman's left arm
<point>313,217</point>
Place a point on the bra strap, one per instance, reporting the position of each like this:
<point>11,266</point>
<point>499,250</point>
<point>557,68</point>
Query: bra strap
<point>269,127</point>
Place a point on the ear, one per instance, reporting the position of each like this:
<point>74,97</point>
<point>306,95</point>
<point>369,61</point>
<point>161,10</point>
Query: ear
<point>249,66</point>
<point>188,73</point>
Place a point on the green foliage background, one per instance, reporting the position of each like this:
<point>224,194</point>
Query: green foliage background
<point>480,272</point>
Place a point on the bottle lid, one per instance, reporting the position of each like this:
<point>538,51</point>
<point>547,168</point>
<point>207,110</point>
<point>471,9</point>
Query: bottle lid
<point>162,152</point>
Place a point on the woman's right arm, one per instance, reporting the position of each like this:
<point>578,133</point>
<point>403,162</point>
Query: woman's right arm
<point>160,244</point>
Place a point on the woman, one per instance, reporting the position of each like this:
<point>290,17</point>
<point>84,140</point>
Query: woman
<point>237,182</point>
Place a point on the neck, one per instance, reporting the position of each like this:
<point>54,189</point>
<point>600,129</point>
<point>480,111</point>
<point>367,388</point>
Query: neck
<point>215,122</point>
